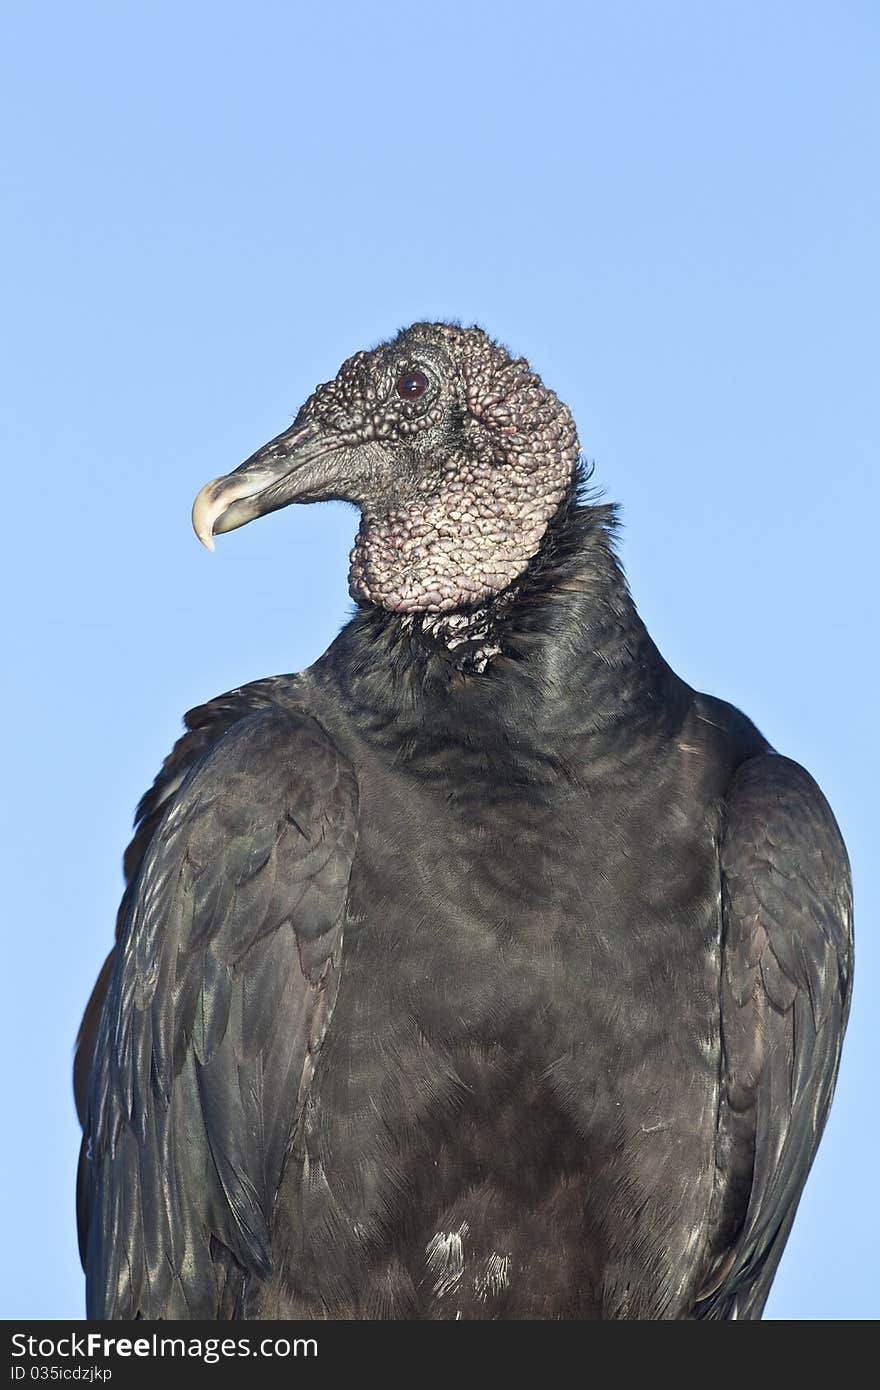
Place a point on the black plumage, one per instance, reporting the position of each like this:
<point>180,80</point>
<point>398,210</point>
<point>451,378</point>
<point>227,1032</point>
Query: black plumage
<point>484,969</point>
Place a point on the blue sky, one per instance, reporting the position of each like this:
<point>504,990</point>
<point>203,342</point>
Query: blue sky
<point>671,208</point>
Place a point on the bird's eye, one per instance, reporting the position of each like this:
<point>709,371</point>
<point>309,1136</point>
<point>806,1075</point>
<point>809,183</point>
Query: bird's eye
<point>411,385</point>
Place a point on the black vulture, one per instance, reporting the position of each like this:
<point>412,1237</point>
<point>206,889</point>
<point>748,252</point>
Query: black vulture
<point>484,969</point>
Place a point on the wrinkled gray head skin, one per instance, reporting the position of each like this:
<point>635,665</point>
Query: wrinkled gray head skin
<point>456,454</point>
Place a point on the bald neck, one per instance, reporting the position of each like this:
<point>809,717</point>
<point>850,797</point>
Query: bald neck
<point>562,649</point>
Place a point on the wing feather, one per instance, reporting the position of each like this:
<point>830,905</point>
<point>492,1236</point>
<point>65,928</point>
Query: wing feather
<point>222,984</point>
<point>786,981</point>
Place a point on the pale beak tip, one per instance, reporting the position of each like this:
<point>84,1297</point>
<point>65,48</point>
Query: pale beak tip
<point>203,528</point>
<point>205,512</point>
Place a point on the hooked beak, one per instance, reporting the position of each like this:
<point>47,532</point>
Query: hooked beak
<point>290,468</point>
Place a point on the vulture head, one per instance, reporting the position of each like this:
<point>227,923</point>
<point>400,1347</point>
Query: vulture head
<point>456,454</point>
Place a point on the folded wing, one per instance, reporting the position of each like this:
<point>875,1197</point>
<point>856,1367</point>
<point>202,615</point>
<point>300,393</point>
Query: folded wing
<point>218,996</point>
<point>787,966</point>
